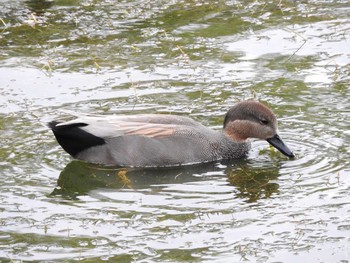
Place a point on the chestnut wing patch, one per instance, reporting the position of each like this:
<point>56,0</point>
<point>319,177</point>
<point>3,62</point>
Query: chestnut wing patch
<point>147,129</point>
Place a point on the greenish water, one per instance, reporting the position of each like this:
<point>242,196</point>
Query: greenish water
<point>194,58</point>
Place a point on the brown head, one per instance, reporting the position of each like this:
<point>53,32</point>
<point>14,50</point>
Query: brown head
<point>251,119</point>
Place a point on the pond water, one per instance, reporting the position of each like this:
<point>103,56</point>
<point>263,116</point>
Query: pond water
<point>194,58</point>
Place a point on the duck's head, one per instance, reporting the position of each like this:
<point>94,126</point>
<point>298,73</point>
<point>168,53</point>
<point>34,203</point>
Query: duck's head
<point>251,119</point>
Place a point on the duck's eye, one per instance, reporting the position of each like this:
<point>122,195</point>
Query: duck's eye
<point>264,121</point>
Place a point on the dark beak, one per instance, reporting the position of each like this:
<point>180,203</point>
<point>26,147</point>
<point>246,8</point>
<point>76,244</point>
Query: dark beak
<point>277,142</point>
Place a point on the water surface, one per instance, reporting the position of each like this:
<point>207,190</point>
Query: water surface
<point>193,58</point>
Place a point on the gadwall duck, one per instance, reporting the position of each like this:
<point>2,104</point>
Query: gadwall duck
<point>154,140</point>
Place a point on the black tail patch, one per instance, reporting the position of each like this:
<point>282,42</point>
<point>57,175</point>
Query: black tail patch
<point>73,139</point>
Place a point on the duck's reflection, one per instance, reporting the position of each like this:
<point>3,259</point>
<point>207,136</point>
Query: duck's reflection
<point>250,183</point>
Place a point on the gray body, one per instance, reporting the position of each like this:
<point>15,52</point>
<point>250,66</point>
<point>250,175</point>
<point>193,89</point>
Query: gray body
<point>184,146</point>
<point>151,140</point>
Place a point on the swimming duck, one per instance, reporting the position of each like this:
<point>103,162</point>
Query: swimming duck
<point>155,140</point>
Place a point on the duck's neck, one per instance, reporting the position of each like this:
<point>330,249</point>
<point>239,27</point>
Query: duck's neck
<point>235,136</point>
<point>233,148</point>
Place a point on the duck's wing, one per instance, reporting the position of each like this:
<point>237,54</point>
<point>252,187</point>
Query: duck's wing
<point>139,118</point>
<point>157,119</point>
<point>107,130</point>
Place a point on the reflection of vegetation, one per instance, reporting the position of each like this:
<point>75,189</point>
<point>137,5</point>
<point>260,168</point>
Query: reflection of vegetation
<point>184,255</point>
<point>73,32</point>
<point>254,184</point>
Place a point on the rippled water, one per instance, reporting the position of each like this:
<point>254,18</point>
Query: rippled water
<point>193,58</point>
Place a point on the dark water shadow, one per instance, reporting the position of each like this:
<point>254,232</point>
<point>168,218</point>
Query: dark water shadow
<point>253,183</point>
<point>39,6</point>
<point>249,182</point>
